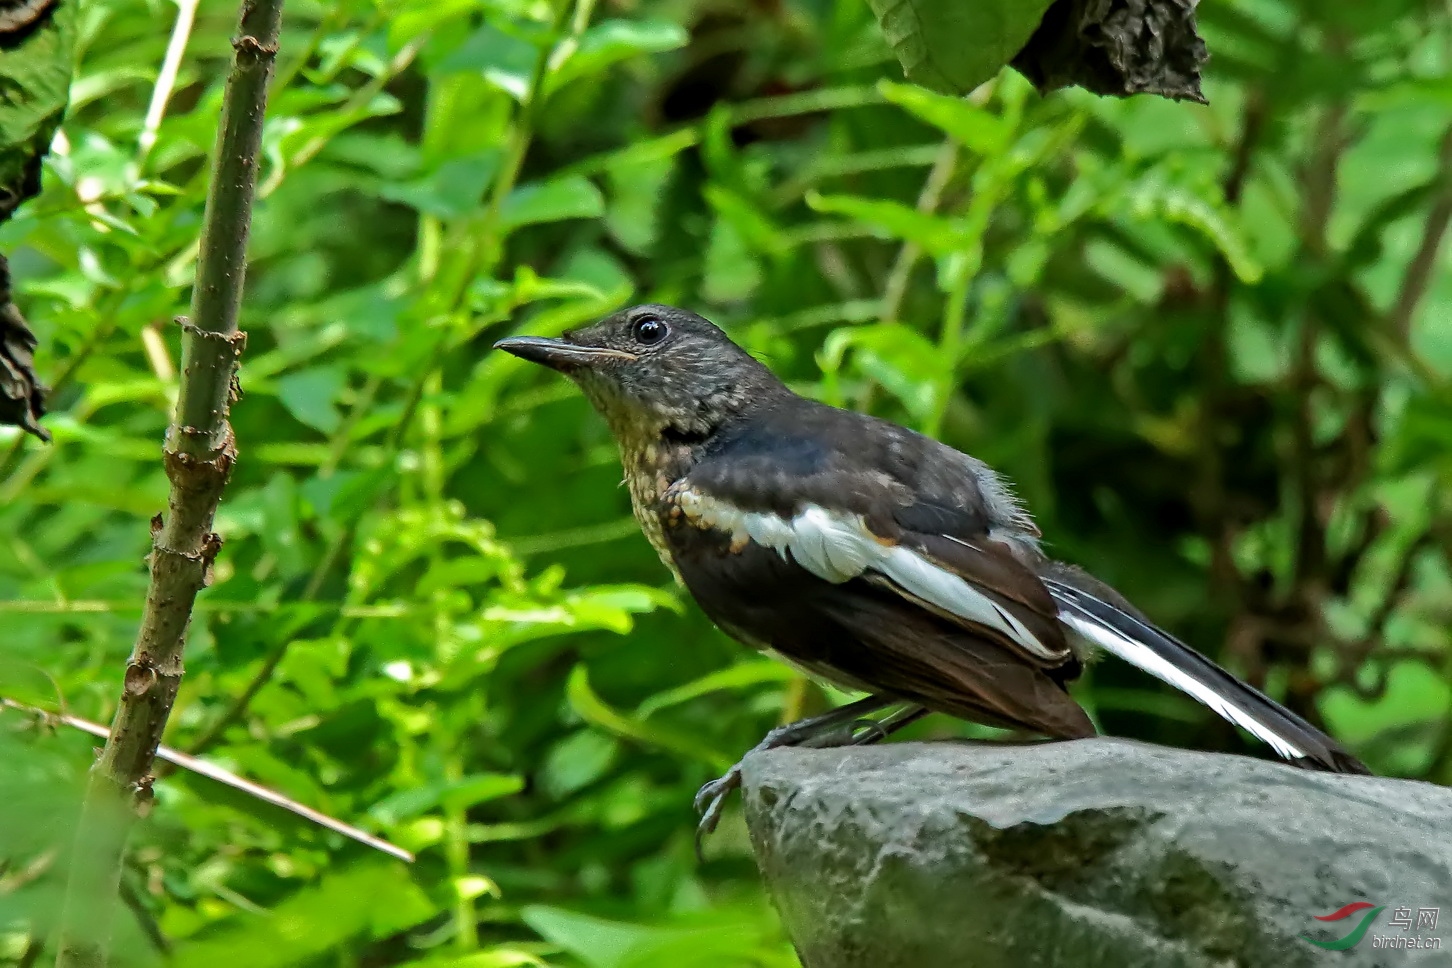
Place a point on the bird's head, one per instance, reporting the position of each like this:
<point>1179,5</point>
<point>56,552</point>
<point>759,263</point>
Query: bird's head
<point>652,369</point>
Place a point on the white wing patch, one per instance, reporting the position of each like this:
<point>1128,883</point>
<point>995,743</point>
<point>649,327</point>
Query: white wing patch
<point>838,547</point>
<point>1141,655</point>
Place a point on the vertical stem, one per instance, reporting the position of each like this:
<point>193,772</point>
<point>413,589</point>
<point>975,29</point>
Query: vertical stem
<point>198,455</point>
<point>950,340</point>
<point>934,185</point>
<point>181,32</point>
<point>456,849</point>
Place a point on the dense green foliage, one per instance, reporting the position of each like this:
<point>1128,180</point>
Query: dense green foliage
<point>1212,346</point>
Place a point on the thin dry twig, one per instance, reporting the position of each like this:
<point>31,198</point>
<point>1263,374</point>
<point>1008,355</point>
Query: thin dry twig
<point>226,777</point>
<point>199,454</point>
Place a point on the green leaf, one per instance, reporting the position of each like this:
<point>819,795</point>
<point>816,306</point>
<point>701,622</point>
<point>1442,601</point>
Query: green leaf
<point>1158,198</point>
<point>573,196</point>
<point>898,358</point>
<point>596,941</point>
<point>456,794</point>
<point>977,130</point>
<point>419,17</point>
<point>731,270</point>
<point>576,762</point>
<point>745,216</point>
<point>600,943</point>
<point>894,219</point>
<point>612,41</point>
<point>495,958</point>
<point>504,60</point>
<point>452,189</point>
<point>637,190</point>
<point>739,676</point>
<point>952,46</point>
<point>594,710</point>
<point>1414,692</point>
<point>35,79</point>
<point>312,396</point>
<point>373,898</point>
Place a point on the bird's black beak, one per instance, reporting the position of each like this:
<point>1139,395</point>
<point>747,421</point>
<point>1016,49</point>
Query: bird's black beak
<point>557,354</point>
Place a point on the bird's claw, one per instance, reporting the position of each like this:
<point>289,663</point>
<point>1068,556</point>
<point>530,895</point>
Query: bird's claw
<point>711,802</point>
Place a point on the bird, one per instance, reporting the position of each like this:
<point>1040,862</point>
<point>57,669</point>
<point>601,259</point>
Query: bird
<point>865,554</point>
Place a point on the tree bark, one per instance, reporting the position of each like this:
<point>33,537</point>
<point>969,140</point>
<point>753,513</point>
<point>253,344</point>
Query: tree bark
<point>199,453</point>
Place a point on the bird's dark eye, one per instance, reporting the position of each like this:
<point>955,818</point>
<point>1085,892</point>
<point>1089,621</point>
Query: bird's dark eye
<point>649,330</point>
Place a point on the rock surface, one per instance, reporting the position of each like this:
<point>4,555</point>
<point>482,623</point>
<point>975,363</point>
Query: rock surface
<point>1092,853</point>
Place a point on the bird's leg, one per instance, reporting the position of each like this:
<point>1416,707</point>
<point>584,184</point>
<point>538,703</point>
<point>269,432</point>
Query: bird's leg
<point>819,731</point>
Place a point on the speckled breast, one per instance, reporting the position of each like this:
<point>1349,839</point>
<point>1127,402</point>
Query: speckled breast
<point>649,471</point>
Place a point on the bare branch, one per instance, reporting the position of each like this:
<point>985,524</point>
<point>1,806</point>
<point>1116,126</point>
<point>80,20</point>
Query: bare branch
<point>199,453</point>
<point>226,777</point>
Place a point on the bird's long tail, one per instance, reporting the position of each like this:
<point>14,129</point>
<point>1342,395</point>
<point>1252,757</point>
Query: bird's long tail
<point>1102,617</point>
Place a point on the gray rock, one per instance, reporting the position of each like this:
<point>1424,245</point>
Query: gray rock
<point>1092,853</point>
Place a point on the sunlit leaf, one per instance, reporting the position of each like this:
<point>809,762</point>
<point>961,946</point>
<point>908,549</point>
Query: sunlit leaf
<point>973,127</point>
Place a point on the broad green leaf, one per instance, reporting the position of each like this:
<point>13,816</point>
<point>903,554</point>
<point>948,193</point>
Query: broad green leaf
<point>601,943</point>
<point>571,197</point>
<point>579,760</point>
<point>1414,692</point>
<point>952,46</point>
<point>505,60</point>
<point>35,75</point>
<point>454,188</point>
<point>493,958</point>
<point>598,942</point>
<point>637,188</point>
<point>419,17</point>
<point>312,396</point>
<point>746,218</point>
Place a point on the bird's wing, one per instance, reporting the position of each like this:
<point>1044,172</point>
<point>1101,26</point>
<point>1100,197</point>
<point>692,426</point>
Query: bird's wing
<point>979,585</point>
<point>809,588</point>
<point>965,577</point>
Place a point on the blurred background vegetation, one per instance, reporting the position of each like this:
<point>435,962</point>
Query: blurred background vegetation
<point>1212,345</point>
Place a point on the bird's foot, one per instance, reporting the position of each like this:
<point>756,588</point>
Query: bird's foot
<point>840,727</point>
<point>711,801</point>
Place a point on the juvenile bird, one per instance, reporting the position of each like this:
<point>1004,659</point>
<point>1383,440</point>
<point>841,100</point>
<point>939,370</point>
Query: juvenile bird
<point>863,553</point>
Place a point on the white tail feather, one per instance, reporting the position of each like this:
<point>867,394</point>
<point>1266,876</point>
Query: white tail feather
<point>1142,656</point>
